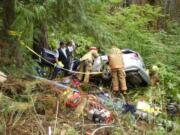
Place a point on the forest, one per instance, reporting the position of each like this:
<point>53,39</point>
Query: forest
<point>33,105</point>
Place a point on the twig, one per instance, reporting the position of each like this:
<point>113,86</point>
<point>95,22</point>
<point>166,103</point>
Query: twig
<point>101,128</point>
<point>57,111</point>
<point>49,130</point>
<point>36,116</point>
<point>83,123</point>
<point>117,115</point>
<point>17,118</point>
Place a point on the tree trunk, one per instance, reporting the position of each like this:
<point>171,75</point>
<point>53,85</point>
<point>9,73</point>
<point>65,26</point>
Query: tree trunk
<point>9,48</point>
<point>44,36</point>
<point>172,8</point>
<point>127,3</point>
<point>41,39</point>
<point>177,2</point>
<point>8,14</point>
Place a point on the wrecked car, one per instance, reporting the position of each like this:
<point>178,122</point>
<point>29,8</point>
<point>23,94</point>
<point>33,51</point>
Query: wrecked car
<point>136,74</point>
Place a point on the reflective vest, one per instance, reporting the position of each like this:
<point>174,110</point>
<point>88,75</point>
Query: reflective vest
<point>115,58</point>
<point>91,55</point>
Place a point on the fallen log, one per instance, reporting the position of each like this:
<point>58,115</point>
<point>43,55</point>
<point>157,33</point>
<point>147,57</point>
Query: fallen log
<point>3,77</point>
<point>55,83</point>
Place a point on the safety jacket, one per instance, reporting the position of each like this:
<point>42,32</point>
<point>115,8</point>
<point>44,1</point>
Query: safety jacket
<point>115,58</point>
<point>90,56</point>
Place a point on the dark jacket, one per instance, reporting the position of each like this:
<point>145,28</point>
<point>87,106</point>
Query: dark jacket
<point>65,60</point>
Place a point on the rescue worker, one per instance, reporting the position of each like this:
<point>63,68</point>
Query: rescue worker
<point>117,70</point>
<point>86,64</point>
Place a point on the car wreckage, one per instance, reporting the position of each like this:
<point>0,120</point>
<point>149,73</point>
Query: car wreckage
<point>136,73</point>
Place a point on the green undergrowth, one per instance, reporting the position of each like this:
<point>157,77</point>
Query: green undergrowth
<point>101,24</point>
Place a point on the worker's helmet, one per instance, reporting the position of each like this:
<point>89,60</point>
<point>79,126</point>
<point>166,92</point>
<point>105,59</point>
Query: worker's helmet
<point>93,48</point>
<point>94,51</point>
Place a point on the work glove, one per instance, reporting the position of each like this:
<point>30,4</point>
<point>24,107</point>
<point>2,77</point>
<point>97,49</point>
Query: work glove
<point>59,64</point>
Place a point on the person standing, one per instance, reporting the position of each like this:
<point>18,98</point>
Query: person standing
<point>64,56</point>
<point>117,69</point>
<point>86,64</point>
<point>71,47</point>
<point>58,65</point>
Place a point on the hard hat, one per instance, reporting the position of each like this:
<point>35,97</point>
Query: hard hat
<point>93,48</point>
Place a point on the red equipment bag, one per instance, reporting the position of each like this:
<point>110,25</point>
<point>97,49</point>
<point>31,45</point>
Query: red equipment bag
<point>73,100</point>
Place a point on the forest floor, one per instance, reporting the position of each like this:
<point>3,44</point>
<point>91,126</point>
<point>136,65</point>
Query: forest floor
<point>34,107</point>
